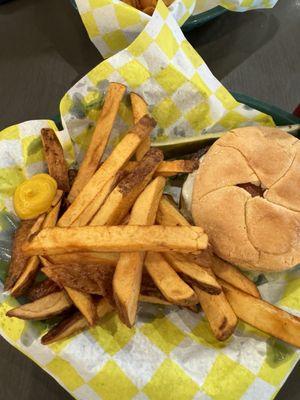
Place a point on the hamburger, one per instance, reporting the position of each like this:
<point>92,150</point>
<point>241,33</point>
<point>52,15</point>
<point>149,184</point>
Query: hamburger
<point>246,196</point>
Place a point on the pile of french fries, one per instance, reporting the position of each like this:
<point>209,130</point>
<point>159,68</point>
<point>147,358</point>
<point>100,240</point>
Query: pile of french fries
<point>112,239</point>
<point>147,6</point>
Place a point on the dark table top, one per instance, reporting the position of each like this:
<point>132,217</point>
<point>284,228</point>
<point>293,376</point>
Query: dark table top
<point>44,50</point>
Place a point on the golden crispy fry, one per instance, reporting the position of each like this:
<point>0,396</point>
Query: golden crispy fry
<point>117,159</point>
<point>84,303</point>
<point>32,266</point>
<point>85,258</point>
<point>168,282</point>
<point>228,273</point>
<point>99,139</point>
<point>70,326</point>
<point>169,168</point>
<point>42,289</point>
<point>123,238</point>
<point>18,259</point>
<point>149,10</point>
<point>44,308</point>
<point>86,216</point>
<point>126,285</point>
<point>167,214</point>
<point>144,298</point>
<point>27,277</point>
<point>220,316</point>
<point>128,273</point>
<point>77,323</point>
<point>263,315</point>
<point>201,277</point>
<point>139,109</point>
<point>119,202</point>
<point>74,324</point>
<point>92,279</point>
<point>55,159</point>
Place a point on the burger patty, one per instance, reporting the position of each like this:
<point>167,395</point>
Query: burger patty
<point>252,189</point>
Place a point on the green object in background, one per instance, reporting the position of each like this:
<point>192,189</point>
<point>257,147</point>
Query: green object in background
<point>194,21</point>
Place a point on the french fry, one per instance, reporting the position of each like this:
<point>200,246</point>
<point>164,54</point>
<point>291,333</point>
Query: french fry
<point>219,313</point>
<point>169,168</point>
<point>128,273</point>
<point>77,323</point>
<point>263,316</point>
<point>92,279</point>
<point>87,215</point>
<point>32,266</point>
<point>144,298</point>
<point>167,214</point>
<point>99,139</point>
<point>55,159</point>
<point>149,10</point>
<point>42,289</point>
<point>221,318</point>
<point>74,324</point>
<point>81,258</point>
<point>84,303</point>
<point>43,308</point>
<point>201,277</point>
<point>119,202</point>
<point>123,238</point>
<point>139,109</point>
<point>174,289</point>
<point>18,259</point>
<point>117,159</point>
<point>229,273</point>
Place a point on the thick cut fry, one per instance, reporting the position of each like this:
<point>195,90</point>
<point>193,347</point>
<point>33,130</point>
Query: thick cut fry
<point>84,303</point>
<point>169,168</point>
<point>42,289</point>
<point>92,279</point>
<point>168,282</point>
<point>27,277</point>
<point>55,159</point>
<point>74,324</point>
<point>144,298</point>
<point>128,273</point>
<point>86,216</point>
<point>44,308</point>
<point>32,266</point>
<point>201,277</point>
<point>220,315</point>
<point>263,315</point>
<point>124,238</point>
<point>228,273</point>
<point>139,109</point>
<point>18,259</point>
<point>99,139</point>
<point>117,159</point>
<point>119,202</point>
<point>85,258</point>
<point>167,214</point>
<point>221,318</point>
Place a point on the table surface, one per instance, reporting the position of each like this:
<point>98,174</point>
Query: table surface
<point>44,50</point>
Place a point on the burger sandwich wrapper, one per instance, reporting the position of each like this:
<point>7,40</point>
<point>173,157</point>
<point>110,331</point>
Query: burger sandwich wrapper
<point>113,25</point>
<point>170,353</point>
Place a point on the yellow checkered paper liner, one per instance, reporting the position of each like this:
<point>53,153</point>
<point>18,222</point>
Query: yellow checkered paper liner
<point>232,5</point>
<point>113,25</point>
<point>184,97</point>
